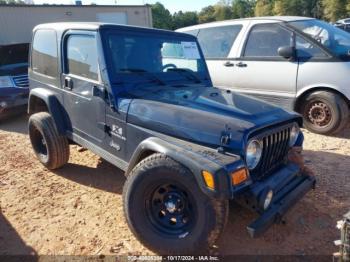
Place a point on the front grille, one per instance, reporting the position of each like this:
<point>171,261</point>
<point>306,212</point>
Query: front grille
<point>275,151</point>
<point>21,80</point>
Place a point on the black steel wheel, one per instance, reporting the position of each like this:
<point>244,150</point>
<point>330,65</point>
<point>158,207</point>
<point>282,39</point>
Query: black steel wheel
<point>171,209</point>
<point>167,211</point>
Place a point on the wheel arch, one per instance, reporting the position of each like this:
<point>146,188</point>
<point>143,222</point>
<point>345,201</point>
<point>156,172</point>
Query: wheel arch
<point>43,100</point>
<point>154,145</point>
<point>191,159</point>
<point>305,93</point>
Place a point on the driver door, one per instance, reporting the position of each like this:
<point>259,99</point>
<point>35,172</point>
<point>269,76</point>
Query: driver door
<point>80,80</point>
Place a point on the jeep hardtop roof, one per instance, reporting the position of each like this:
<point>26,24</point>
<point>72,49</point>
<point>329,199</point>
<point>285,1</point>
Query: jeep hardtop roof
<point>96,26</point>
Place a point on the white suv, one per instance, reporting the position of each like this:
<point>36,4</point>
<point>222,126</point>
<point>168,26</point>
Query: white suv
<point>298,63</point>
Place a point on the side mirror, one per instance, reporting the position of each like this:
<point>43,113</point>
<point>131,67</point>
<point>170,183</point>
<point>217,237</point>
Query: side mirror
<point>287,52</point>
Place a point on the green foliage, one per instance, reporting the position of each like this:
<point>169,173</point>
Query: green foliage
<point>243,8</point>
<point>313,8</point>
<point>264,7</point>
<point>222,11</point>
<point>161,17</point>
<point>207,14</point>
<point>297,7</point>
<point>335,9</point>
<point>183,19</point>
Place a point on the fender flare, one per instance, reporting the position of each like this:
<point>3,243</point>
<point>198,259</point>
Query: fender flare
<point>196,158</point>
<point>53,105</point>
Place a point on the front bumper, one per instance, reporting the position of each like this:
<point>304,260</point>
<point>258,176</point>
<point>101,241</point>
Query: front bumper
<point>289,186</point>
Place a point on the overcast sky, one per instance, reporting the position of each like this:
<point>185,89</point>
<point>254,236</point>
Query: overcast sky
<point>172,5</point>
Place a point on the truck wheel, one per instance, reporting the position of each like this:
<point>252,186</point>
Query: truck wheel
<point>51,149</point>
<point>325,112</point>
<point>167,211</point>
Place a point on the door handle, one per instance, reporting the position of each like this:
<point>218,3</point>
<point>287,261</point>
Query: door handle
<point>241,64</point>
<point>68,83</point>
<point>229,64</point>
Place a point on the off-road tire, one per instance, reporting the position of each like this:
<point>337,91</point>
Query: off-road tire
<point>211,214</point>
<point>51,149</point>
<point>335,105</point>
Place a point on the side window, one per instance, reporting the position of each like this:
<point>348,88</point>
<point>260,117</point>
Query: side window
<point>265,39</point>
<point>305,49</point>
<point>216,42</point>
<point>44,53</point>
<point>81,56</point>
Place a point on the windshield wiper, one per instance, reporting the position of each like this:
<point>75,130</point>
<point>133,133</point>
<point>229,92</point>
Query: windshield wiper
<point>153,77</point>
<point>189,74</point>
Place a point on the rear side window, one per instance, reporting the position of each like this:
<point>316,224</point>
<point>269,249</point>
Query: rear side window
<point>44,53</point>
<point>82,56</point>
<point>264,40</point>
<point>216,42</point>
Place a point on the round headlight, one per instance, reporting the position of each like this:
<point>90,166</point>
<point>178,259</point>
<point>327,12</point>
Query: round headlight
<point>294,133</point>
<point>253,153</point>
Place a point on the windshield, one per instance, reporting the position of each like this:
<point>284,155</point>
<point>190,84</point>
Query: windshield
<point>154,57</point>
<point>334,39</point>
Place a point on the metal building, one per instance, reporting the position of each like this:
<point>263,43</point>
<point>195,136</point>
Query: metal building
<point>17,22</point>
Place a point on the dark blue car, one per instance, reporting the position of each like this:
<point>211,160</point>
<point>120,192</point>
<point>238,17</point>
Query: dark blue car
<point>14,86</point>
<point>143,100</point>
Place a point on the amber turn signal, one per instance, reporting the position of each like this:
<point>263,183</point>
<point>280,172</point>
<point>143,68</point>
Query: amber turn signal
<point>209,179</point>
<point>238,177</point>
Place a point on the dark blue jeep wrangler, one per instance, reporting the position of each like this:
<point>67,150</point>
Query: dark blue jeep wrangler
<point>143,100</point>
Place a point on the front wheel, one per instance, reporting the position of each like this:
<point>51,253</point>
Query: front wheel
<point>51,149</point>
<point>325,112</point>
<point>167,211</point>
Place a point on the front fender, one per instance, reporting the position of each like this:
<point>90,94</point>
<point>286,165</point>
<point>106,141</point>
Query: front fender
<point>53,105</point>
<point>196,158</point>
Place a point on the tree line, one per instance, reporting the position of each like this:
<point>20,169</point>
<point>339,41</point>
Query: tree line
<point>329,10</point>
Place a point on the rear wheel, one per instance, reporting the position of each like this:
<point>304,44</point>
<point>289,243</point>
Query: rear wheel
<point>167,211</point>
<point>325,112</point>
<point>51,149</point>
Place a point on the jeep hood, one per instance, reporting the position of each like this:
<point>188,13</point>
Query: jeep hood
<point>202,115</point>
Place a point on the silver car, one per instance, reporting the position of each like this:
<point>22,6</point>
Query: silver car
<point>299,63</point>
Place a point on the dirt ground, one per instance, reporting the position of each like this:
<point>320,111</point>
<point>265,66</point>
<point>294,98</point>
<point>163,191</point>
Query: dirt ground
<point>77,210</point>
